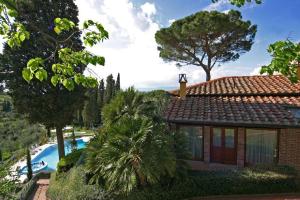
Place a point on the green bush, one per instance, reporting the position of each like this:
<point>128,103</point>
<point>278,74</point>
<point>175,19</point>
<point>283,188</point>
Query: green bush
<point>66,163</point>
<point>71,186</point>
<point>258,180</point>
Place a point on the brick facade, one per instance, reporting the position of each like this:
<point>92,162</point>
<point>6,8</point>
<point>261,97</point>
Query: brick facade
<point>206,131</point>
<point>289,147</point>
<point>241,147</point>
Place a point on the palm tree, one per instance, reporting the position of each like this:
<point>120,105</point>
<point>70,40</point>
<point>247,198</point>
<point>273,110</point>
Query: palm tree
<point>135,153</point>
<point>132,149</point>
<point>127,103</point>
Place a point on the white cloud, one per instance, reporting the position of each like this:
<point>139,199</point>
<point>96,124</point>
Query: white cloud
<point>149,9</point>
<point>131,48</point>
<point>171,21</point>
<point>220,5</point>
<point>255,71</point>
<point>226,11</point>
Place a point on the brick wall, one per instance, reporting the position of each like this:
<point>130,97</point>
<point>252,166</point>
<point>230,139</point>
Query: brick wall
<point>289,147</point>
<point>241,147</point>
<point>206,131</point>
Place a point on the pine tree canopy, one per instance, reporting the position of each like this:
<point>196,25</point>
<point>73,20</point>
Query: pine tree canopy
<point>205,39</point>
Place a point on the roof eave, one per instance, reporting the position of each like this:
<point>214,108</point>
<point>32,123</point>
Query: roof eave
<point>233,124</point>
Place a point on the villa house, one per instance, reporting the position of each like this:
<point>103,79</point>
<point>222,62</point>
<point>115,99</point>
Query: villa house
<point>239,121</point>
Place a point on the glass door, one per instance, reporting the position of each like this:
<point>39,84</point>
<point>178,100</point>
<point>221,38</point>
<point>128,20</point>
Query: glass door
<point>223,145</point>
<point>216,145</point>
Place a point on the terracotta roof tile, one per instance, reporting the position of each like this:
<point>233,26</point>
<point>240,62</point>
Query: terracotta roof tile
<point>246,100</point>
<point>244,85</point>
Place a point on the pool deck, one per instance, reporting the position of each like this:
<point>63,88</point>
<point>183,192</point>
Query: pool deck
<point>38,150</point>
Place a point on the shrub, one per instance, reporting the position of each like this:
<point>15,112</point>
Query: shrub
<point>258,180</point>
<point>71,186</point>
<point>66,163</point>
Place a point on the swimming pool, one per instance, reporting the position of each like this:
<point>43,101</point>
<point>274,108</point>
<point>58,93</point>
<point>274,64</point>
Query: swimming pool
<point>50,154</point>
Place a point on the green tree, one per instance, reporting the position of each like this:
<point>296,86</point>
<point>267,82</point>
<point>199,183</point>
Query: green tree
<point>7,186</point>
<point>285,53</point>
<point>6,106</point>
<point>80,118</point>
<point>205,39</point>
<point>29,165</point>
<point>41,101</point>
<point>132,150</point>
<point>1,88</point>
<point>1,157</point>
<point>60,60</point>
<point>48,128</point>
<point>128,103</point>
<point>286,60</point>
<point>90,109</point>
<point>100,100</point>
<point>110,89</point>
<point>118,83</point>
<point>73,141</point>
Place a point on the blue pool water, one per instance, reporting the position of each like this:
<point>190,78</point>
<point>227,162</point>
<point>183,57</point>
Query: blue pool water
<point>50,154</point>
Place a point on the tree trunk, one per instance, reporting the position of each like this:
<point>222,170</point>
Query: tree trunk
<point>140,176</point>
<point>208,76</point>
<point>60,142</point>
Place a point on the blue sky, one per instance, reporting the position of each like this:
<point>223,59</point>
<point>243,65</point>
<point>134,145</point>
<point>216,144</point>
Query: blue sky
<point>133,23</point>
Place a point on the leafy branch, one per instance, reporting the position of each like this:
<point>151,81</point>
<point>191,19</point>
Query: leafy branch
<point>286,59</point>
<point>64,71</point>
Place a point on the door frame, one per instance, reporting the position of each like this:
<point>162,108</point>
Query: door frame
<point>223,144</point>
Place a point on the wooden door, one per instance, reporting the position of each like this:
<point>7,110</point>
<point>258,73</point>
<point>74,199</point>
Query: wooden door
<point>223,145</point>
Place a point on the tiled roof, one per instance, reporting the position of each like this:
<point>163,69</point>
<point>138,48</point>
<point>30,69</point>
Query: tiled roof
<point>245,85</point>
<point>264,101</point>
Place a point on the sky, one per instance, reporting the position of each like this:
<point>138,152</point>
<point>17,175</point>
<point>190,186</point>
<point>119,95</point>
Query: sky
<point>132,51</point>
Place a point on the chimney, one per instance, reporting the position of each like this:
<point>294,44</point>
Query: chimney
<point>182,82</point>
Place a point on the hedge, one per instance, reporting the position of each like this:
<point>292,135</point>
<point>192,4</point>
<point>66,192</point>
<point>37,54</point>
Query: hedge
<point>72,186</point>
<point>66,163</point>
<point>259,180</point>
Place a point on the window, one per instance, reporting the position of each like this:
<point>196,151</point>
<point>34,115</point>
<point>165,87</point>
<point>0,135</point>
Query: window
<point>261,146</point>
<point>217,138</point>
<point>195,141</point>
<point>229,138</point>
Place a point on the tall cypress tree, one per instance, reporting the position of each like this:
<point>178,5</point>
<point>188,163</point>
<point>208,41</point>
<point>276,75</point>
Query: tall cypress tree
<point>90,108</point>
<point>6,106</point>
<point>1,158</point>
<point>80,119</point>
<point>100,100</point>
<point>110,89</point>
<point>29,165</point>
<point>118,83</point>
<point>41,101</point>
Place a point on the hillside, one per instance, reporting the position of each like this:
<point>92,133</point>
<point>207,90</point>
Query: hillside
<point>16,133</point>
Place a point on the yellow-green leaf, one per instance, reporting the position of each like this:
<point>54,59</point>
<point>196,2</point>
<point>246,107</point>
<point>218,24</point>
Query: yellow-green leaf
<point>57,30</point>
<point>27,75</point>
<point>54,80</point>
